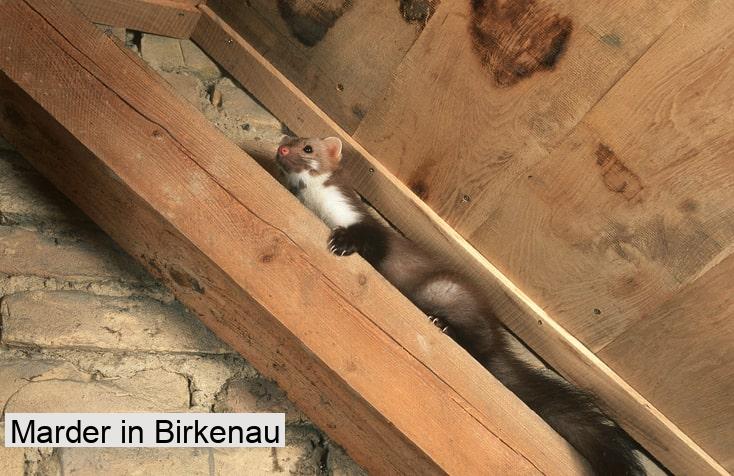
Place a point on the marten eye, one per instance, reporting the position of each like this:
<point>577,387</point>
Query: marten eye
<point>308,149</point>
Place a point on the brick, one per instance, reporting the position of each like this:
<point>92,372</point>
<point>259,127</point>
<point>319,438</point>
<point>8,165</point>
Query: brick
<point>245,122</point>
<point>161,52</point>
<point>146,391</point>
<point>107,287</point>
<point>301,455</point>
<point>239,105</point>
<point>25,196</point>
<point>135,461</point>
<point>257,461</point>
<point>187,86</point>
<point>207,375</point>
<point>89,254</point>
<point>243,395</point>
<point>17,373</point>
<point>198,62</point>
<point>73,319</point>
<point>12,460</point>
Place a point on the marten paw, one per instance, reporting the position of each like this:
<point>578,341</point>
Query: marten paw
<point>341,242</point>
<point>440,323</point>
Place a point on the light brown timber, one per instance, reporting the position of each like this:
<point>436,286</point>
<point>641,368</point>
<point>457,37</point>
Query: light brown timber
<point>649,426</point>
<point>175,18</point>
<point>244,254</point>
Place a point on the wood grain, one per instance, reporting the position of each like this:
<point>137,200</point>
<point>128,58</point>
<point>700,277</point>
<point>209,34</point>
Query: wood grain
<point>447,130</point>
<point>175,18</point>
<point>251,261</point>
<point>634,206</point>
<point>688,342</point>
<point>345,70</point>
<point>393,199</point>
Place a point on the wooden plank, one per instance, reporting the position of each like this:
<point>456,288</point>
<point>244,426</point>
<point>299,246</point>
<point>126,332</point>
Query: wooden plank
<point>457,138</point>
<point>423,225</point>
<point>175,18</point>
<point>637,200</point>
<point>341,54</point>
<point>635,205</point>
<point>238,249</point>
<point>700,319</point>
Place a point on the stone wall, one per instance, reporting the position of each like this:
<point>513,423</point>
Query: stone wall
<point>84,329</point>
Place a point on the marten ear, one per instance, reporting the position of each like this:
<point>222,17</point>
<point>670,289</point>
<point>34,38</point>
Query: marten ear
<point>333,148</point>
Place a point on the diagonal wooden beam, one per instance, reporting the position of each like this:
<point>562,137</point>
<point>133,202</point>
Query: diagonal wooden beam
<point>176,18</point>
<point>413,217</point>
<point>240,251</point>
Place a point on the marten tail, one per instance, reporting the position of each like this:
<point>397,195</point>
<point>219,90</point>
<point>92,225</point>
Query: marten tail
<point>573,413</point>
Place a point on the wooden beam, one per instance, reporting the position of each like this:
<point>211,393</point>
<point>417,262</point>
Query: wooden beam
<point>414,218</point>
<point>175,18</point>
<point>359,359</point>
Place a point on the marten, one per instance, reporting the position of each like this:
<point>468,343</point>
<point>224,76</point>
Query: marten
<point>311,170</point>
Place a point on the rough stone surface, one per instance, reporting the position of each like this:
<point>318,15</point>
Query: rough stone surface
<point>244,121</point>
<point>84,328</point>
<point>26,198</point>
<point>12,460</point>
<point>145,391</point>
<point>245,395</point>
<point>296,458</point>
<point>161,52</point>
<point>17,373</point>
<point>302,455</point>
<point>188,86</point>
<point>239,105</point>
<point>62,319</point>
<point>198,62</point>
<point>341,464</point>
<point>136,461</point>
<point>89,254</point>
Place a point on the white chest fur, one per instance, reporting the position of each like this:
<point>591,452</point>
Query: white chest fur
<point>326,201</point>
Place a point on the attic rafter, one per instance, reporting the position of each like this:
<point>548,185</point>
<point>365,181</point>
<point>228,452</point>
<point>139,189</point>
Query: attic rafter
<point>235,247</point>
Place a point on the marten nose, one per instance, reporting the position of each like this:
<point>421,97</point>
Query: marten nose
<point>283,150</point>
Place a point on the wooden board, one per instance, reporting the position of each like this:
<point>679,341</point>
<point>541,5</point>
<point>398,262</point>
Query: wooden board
<point>638,199</point>
<point>459,139</point>
<point>692,334</point>
<point>631,212</point>
<point>175,18</point>
<point>342,54</point>
<point>602,210</point>
<point>251,261</point>
<point>421,224</point>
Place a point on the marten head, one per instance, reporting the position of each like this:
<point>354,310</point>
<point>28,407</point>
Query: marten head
<point>315,156</point>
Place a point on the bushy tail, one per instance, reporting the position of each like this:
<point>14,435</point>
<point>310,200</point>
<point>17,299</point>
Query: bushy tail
<point>572,412</point>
